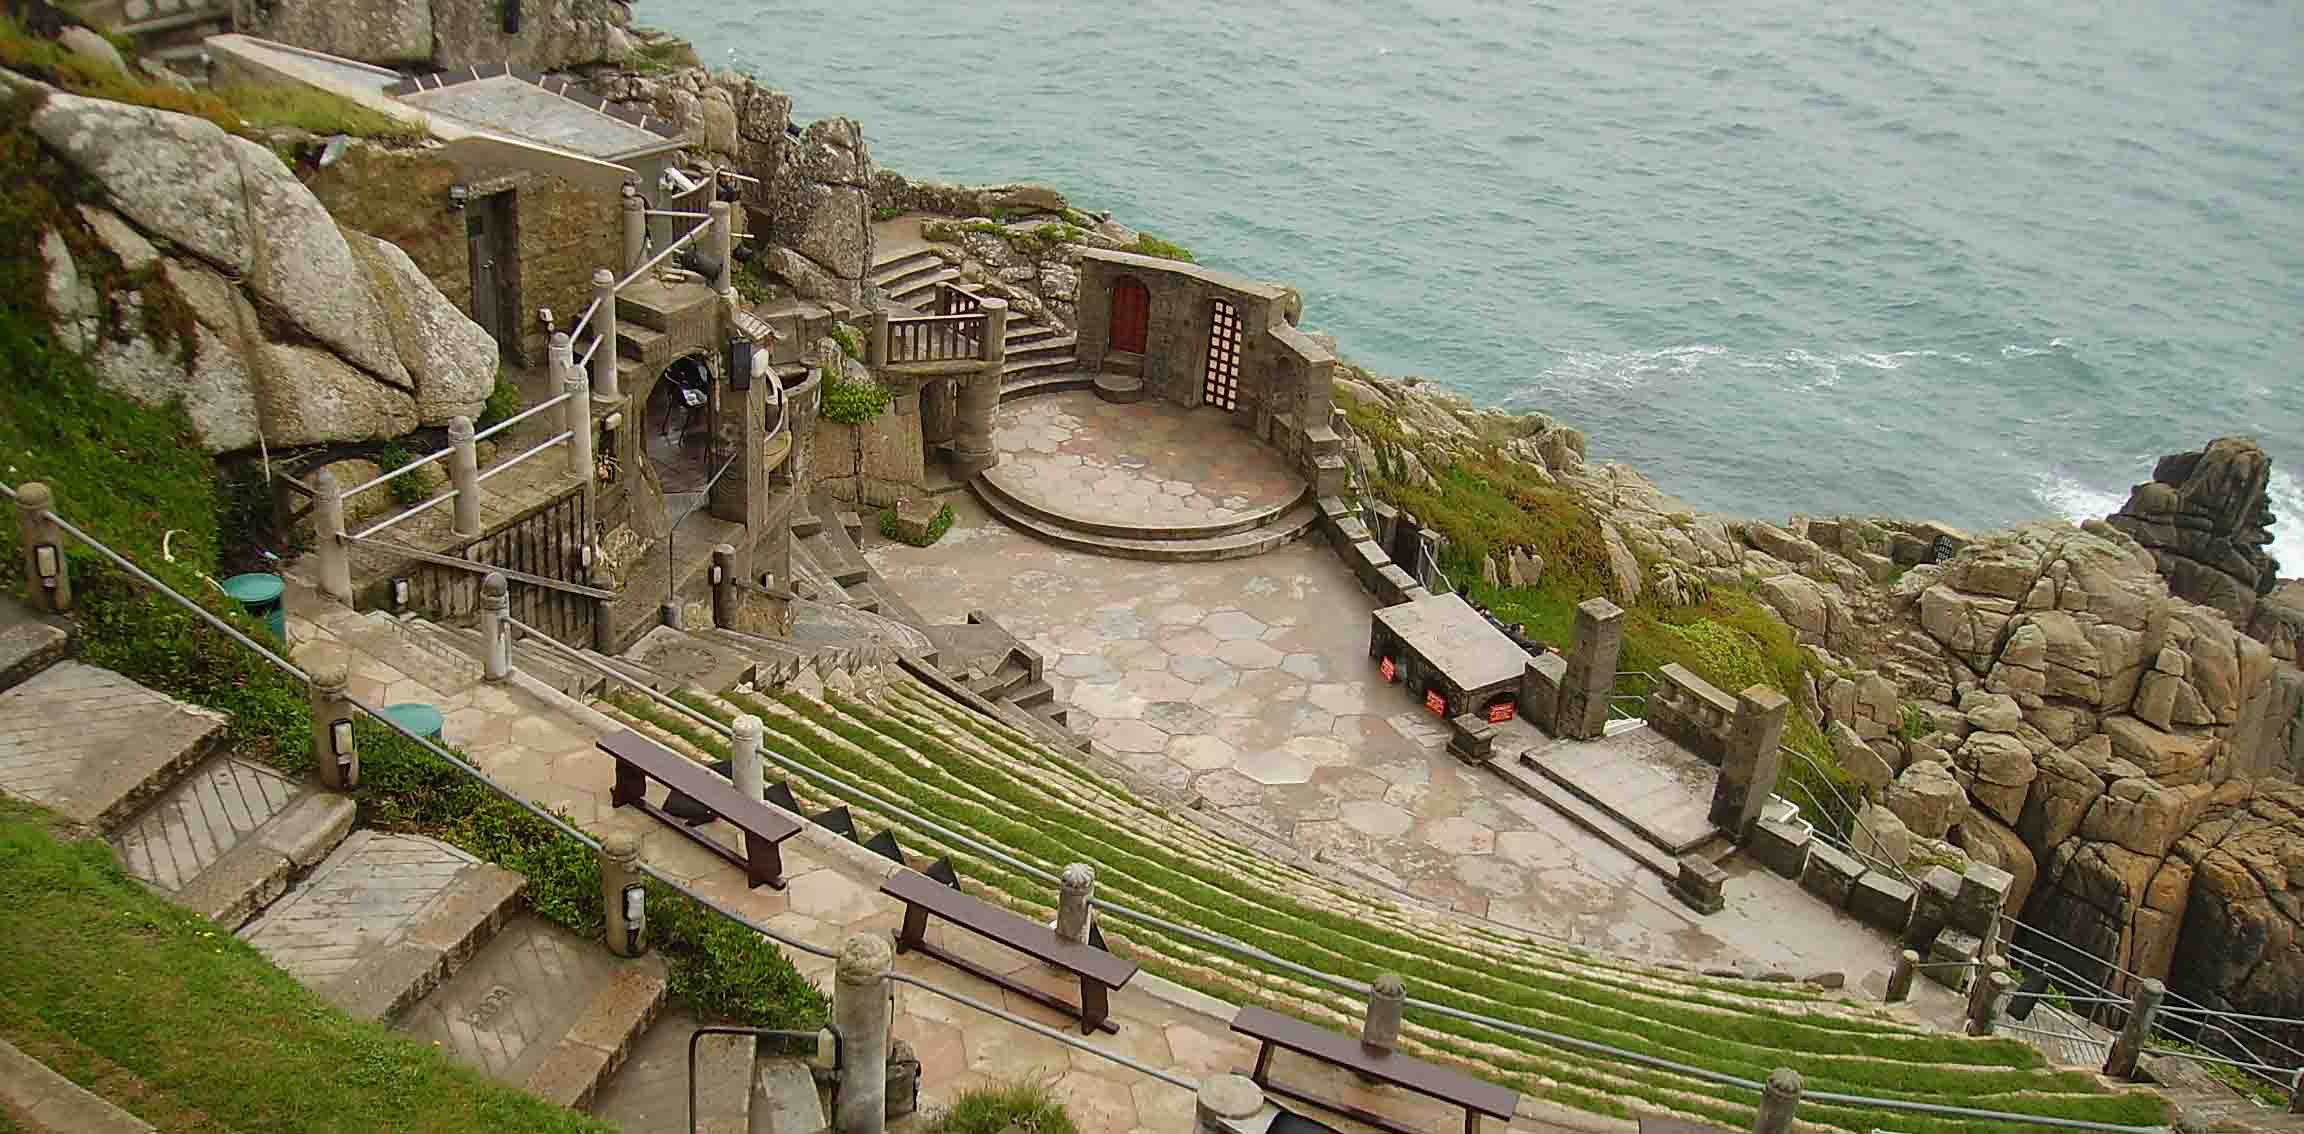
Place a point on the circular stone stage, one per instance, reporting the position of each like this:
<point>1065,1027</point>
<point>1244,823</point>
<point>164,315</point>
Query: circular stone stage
<point>1147,480</point>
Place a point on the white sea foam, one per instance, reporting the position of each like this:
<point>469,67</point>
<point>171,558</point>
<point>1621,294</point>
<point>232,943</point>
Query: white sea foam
<point>2075,500</point>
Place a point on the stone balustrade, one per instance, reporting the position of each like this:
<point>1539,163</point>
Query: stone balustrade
<point>1691,711</point>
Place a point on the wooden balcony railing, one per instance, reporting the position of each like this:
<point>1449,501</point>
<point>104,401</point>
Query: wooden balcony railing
<point>936,338</point>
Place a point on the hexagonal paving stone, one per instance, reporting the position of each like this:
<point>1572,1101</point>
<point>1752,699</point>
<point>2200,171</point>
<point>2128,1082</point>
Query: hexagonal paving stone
<point>1375,819</point>
<point>1410,796</point>
<point>1275,767</point>
<point>1234,625</point>
<point>1227,788</point>
<point>1203,752</point>
<point>1307,666</point>
<point>1321,751</point>
<point>1196,668</point>
<point>1190,641</point>
<point>1108,701</point>
<point>1085,666</point>
<point>1339,697</point>
<point>1130,736</point>
<point>1248,654</point>
<point>1177,718</point>
<point>1490,875</point>
<point>1156,685</point>
<point>1269,685</point>
<point>1458,835</point>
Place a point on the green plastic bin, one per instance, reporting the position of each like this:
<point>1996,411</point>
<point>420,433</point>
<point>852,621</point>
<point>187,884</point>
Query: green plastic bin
<point>417,717</point>
<point>259,595</point>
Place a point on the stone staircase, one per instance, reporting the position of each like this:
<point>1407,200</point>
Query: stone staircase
<point>387,926</point>
<point>1202,543</point>
<point>1041,357</point>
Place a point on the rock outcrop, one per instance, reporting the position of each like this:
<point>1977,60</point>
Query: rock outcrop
<point>235,293</point>
<point>535,35</point>
<point>819,205</point>
<point>2204,516</point>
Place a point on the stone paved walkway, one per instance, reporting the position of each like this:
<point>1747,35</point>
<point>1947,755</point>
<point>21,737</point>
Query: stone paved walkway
<point>1149,463</point>
<point>1248,683</point>
<point>534,745</point>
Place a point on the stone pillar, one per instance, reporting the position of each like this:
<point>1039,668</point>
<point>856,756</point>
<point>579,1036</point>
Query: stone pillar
<point>1583,708</point>
<point>2296,1093</point>
<point>327,670</point>
<point>723,246</point>
<point>979,401</point>
<point>1386,998</point>
<point>1227,1104</point>
<point>860,1011</point>
<point>604,325</point>
<point>1900,979</point>
<point>1077,888</point>
<point>1779,1102</point>
<point>464,477</point>
<point>1749,767</point>
<point>2128,1046</point>
<point>47,578</point>
<point>619,873</point>
<point>496,626</point>
<point>328,518</point>
<point>724,578</point>
<point>577,410</point>
<point>744,764</point>
<point>635,228</point>
<point>876,338</point>
<point>1984,999</point>
<point>603,632</point>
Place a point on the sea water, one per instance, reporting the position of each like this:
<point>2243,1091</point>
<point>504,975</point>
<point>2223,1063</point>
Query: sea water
<point>1962,260</point>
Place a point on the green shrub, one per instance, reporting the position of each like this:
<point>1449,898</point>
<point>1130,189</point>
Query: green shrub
<point>1030,1105</point>
<point>853,403</point>
<point>751,286</point>
<point>1150,245</point>
<point>315,111</point>
<point>936,527</point>
<point>1914,725</point>
<point>884,213</point>
<point>503,402</point>
<point>850,341</point>
<point>410,490</point>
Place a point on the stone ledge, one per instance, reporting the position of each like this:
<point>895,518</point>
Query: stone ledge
<point>47,1101</point>
<point>598,1042</point>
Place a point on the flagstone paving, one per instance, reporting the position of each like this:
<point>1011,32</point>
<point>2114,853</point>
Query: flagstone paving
<point>1151,464</point>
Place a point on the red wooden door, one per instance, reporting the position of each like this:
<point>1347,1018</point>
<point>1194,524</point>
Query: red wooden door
<point>1131,309</point>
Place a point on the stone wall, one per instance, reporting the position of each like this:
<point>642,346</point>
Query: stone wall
<point>893,192</point>
<point>878,462</point>
<point>446,34</point>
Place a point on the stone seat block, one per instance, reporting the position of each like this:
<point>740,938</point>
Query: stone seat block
<point>1699,884</point>
<point>1471,739</point>
<point>1781,847</point>
<point>1881,900</point>
<point>1831,874</point>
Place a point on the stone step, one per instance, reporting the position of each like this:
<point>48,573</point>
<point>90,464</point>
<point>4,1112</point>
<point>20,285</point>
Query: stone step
<point>1593,820</point>
<point>95,747</point>
<point>29,643</point>
<point>1289,526</point>
<point>1556,761</point>
<point>633,341</point>
<point>1042,380</point>
<point>228,838</point>
<point>677,659</point>
<point>1032,694</point>
<point>785,1098</point>
<point>845,569</point>
<point>1120,389</point>
<point>1036,725</point>
<point>1033,365</point>
<point>538,661</point>
<point>1262,518</point>
<point>888,275</point>
<point>542,1009</point>
<point>649,1094</point>
<point>915,289</point>
<point>1028,334</point>
<point>1054,346</point>
<point>384,919</point>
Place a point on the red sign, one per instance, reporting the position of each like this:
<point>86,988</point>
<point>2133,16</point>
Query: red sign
<point>1435,702</point>
<point>1501,711</point>
<point>1391,672</point>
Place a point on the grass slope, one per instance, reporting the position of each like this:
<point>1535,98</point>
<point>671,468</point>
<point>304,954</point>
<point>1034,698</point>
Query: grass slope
<point>116,982</point>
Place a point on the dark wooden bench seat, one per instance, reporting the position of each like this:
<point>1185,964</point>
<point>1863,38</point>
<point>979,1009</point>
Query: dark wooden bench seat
<point>639,760</point>
<point>1273,1030</point>
<point>1099,972</point>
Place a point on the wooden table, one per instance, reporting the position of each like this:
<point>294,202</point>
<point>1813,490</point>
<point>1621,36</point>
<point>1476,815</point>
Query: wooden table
<point>1273,1030</point>
<point>639,760</point>
<point>1099,971</point>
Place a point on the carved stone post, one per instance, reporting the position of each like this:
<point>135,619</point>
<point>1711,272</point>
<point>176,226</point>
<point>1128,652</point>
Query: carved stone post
<point>1228,1104</point>
<point>496,626</point>
<point>2128,1046</point>
<point>335,555</point>
<point>744,757</point>
<point>724,578</point>
<point>1779,1102</point>
<point>1985,996</point>
<point>576,411</point>
<point>464,477</point>
<point>1583,708</point>
<point>876,338</point>
<point>1900,979</point>
<point>635,229</point>
<point>972,449</point>
<point>619,873</point>
<point>1386,998</point>
<point>47,578</point>
<point>604,325</point>
<point>1076,890</point>
<point>723,247</point>
<point>327,671</point>
<point>1749,767</point>
<point>860,1012</point>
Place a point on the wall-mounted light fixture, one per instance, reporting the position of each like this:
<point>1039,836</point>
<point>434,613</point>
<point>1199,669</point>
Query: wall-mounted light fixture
<point>399,594</point>
<point>635,916</point>
<point>340,746</point>
<point>458,195</point>
<point>48,563</point>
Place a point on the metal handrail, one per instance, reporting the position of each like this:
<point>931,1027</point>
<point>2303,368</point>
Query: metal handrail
<point>576,329</point>
<point>517,418</point>
<point>563,435</point>
<point>675,213</point>
<point>585,360</point>
<point>390,522</point>
<point>410,467</point>
<point>450,561</point>
<point>912,320</point>
<point>660,257</point>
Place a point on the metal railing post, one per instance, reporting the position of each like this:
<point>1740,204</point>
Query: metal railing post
<point>635,228</point>
<point>464,476</point>
<point>328,518</point>
<point>496,626</point>
<point>723,246</point>
<point>47,578</point>
<point>604,325</point>
<point>2127,1047</point>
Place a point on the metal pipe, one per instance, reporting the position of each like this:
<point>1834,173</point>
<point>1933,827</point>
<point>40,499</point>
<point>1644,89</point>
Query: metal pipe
<point>410,467</point>
<point>563,435</point>
<point>1065,1038</point>
<point>680,215</point>
<point>393,521</point>
<point>662,256</point>
<point>517,418</point>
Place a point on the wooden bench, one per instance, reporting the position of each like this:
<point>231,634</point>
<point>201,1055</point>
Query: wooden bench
<point>1099,972</point>
<point>639,760</point>
<point>1273,1030</point>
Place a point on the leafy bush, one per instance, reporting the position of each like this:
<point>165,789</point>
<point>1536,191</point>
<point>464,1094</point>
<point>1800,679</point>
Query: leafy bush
<point>503,402</point>
<point>853,403</point>
<point>1150,245</point>
<point>850,340</point>
<point>936,527</point>
<point>751,286</point>
<point>410,490</point>
<point>885,213</point>
<point>1029,1105</point>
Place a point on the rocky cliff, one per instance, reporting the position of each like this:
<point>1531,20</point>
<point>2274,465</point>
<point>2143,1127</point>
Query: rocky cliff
<point>528,35</point>
<point>196,268</point>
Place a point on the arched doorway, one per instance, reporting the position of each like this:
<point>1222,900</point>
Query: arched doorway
<point>678,431</point>
<point>1131,313</point>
